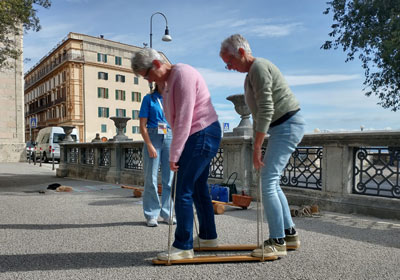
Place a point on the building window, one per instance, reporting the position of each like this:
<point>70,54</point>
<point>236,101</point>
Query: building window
<point>102,57</point>
<point>103,112</point>
<point>136,96</point>
<point>120,78</point>
<point>103,76</point>
<point>135,129</point>
<point>103,128</point>
<point>136,80</point>
<point>118,60</point>
<point>120,112</point>
<point>135,114</point>
<point>102,92</point>
<point>119,94</point>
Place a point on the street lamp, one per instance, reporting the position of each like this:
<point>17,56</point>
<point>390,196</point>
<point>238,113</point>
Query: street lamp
<point>166,37</point>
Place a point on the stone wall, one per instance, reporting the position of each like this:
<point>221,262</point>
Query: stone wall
<point>12,145</point>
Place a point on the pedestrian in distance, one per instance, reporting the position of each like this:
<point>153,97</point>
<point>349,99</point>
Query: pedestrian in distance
<point>275,110</point>
<point>157,138</point>
<point>196,137</point>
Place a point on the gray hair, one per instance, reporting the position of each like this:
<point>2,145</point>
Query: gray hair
<point>143,59</point>
<point>232,44</point>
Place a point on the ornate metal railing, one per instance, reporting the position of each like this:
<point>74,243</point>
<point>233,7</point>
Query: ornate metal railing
<point>105,157</point>
<point>72,155</point>
<point>134,158</point>
<point>87,156</point>
<point>217,165</point>
<point>304,169</point>
<point>376,171</point>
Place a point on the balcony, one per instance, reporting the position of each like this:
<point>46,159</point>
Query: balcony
<point>53,66</point>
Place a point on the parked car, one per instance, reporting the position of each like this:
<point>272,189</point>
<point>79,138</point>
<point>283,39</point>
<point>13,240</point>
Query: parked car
<point>48,142</point>
<point>30,147</point>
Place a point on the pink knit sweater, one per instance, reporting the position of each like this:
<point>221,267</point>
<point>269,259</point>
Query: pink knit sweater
<point>187,106</point>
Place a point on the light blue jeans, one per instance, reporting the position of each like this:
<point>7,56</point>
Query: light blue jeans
<point>282,142</point>
<point>151,201</point>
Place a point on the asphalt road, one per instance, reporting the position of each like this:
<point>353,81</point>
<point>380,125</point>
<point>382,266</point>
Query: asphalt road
<point>98,232</point>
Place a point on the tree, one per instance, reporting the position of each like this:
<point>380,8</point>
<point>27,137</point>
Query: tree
<point>15,14</point>
<point>370,28</point>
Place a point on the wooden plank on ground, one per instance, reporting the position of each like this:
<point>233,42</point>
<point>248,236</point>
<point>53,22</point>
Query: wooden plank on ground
<point>215,259</point>
<point>226,247</point>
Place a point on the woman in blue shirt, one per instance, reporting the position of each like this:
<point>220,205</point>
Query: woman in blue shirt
<point>157,138</point>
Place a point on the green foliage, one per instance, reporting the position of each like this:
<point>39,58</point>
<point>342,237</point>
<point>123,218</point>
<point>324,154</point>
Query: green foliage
<point>15,14</point>
<point>371,29</point>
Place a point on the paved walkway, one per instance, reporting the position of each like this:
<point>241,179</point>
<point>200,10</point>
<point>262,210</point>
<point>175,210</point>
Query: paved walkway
<point>98,232</point>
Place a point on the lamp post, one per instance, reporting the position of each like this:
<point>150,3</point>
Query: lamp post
<point>165,38</point>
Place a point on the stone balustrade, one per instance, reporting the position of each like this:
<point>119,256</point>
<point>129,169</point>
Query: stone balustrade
<point>344,172</point>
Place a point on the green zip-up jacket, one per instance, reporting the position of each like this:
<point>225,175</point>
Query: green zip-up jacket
<point>267,94</point>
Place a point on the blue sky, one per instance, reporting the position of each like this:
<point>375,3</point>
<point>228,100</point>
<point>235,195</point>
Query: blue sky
<point>287,32</point>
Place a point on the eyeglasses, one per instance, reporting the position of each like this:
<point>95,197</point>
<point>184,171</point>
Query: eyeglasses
<point>146,75</point>
<point>229,64</point>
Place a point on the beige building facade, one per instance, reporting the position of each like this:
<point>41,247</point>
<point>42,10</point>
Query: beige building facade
<point>83,82</point>
<point>12,145</point>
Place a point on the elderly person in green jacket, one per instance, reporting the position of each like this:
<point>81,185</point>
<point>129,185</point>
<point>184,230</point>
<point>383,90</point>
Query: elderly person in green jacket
<point>275,111</point>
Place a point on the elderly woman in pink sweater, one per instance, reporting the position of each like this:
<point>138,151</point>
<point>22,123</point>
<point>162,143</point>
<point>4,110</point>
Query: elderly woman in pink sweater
<point>196,135</point>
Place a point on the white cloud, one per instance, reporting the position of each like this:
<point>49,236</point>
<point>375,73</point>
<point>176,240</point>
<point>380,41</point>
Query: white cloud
<point>225,79</point>
<point>230,80</point>
<point>272,30</point>
<point>318,79</point>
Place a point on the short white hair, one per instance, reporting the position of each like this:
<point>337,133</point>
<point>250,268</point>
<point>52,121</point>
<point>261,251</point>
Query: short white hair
<point>143,59</point>
<point>233,43</point>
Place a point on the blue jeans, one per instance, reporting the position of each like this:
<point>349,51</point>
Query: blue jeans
<point>151,201</point>
<point>282,142</point>
<point>200,148</point>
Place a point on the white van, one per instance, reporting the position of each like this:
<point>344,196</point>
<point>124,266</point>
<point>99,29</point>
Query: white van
<point>48,140</point>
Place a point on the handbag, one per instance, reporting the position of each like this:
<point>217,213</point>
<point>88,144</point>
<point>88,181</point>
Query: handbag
<point>231,186</point>
<point>219,193</point>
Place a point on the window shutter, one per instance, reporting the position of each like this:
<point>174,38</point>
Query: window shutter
<point>107,93</point>
<point>106,76</point>
<point>98,57</point>
<point>108,112</point>
<point>98,92</point>
<point>99,111</point>
<point>116,112</point>
<point>116,60</point>
<point>140,96</point>
<point>105,58</point>
<point>116,94</point>
<point>99,75</point>
<point>123,79</point>
<point>124,111</point>
<point>123,95</point>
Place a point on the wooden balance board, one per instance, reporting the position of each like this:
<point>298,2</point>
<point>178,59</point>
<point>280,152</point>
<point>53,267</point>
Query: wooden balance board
<point>220,259</point>
<point>215,259</point>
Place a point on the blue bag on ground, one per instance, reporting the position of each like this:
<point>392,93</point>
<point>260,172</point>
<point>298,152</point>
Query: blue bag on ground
<point>219,193</point>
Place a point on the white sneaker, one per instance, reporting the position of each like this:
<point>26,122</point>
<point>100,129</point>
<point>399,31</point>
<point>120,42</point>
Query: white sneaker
<point>152,223</point>
<point>168,222</point>
<point>176,254</point>
<point>202,243</point>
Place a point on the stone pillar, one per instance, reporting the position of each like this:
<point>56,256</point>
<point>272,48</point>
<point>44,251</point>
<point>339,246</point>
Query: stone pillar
<point>238,158</point>
<point>337,169</point>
